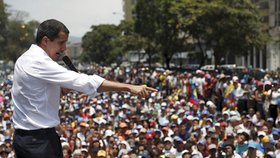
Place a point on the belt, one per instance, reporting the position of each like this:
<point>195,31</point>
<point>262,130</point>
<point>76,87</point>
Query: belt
<point>35,132</point>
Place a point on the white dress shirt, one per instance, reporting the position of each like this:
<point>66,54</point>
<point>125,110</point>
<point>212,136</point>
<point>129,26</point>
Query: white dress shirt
<point>36,89</point>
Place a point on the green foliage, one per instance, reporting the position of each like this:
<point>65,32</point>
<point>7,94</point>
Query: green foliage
<point>3,26</point>
<point>156,22</point>
<point>15,35</point>
<point>228,26</point>
<point>130,40</point>
<point>106,44</point>
<point>100,44</point>
<point>20,36</point>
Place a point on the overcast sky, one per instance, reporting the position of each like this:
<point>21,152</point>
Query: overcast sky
<point>77,15</point>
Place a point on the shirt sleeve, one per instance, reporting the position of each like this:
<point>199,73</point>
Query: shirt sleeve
<point>51,72</point>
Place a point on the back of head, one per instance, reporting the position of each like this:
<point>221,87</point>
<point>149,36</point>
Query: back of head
<point>50,28</point>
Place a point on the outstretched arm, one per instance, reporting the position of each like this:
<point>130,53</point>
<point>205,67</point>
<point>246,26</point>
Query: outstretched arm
<point>139,90</point>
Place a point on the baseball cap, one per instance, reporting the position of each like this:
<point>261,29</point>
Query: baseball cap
<point>108,133</point>
<point>271,154</point>
<point>261,133</point>
<point>270,119</point>
<point>201,102</point>
<point>168,139</point>
<point>265,139</point>
<point>252,145</point>
<point>134,131</point>
<point>203,142</point>
<point>101,153</point>
<point>212,146</point>
<point>276,131</point>
<point>235,79</point>
<point>149,136</point>
<point>235,118</point>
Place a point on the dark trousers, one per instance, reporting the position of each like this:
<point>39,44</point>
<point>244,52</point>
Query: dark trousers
<point>42,143</point>
<point>273,111</point>
<point>259,107</point>
<point>242,106</point>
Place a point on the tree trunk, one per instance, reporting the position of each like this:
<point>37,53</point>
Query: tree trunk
<point>149,53</point>
<point>167,61</point>
<point>218,56</point>
<point>201,54</point>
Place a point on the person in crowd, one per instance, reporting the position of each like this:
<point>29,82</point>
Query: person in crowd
<point>241,143</point>
<point>259,98</point>
<point>229,150</point>
<point>273,95</point>
<point>252,151</point>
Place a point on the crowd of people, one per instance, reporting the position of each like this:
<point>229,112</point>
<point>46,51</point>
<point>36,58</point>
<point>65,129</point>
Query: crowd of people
<point>193,114</point>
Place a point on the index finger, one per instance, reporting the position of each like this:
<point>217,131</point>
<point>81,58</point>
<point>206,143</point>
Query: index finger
<point>151,89</point>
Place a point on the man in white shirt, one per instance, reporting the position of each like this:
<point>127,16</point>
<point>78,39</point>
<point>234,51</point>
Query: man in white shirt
<point>38,81</point>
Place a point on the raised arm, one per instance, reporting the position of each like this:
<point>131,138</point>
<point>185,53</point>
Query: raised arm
<point>139,90</point>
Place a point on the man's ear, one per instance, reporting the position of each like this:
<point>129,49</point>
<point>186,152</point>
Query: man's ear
<point>44,41</point>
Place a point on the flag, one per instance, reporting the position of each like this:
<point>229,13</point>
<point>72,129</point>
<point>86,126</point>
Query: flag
<point>193,98</point>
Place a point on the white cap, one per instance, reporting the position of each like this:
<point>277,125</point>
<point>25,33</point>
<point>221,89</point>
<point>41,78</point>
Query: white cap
<point>168,139</point>
<point>210,104</point>
<point>201,102</point>
<point>181,111</point>
<point>234,78</point>
<point>65,144</point>
<point>212,129</point>
<point>195,118</point>
<point>233,113</point>
<point>235,118</point>
<point>225,113</point>
<point>212,146</point>
<point>164,104</point>
<point>108,133</point>
<point>239,131</point>
<point>272,154</point>
<point>190,117</point>
<point>209,119</point>
<point>261,133</point>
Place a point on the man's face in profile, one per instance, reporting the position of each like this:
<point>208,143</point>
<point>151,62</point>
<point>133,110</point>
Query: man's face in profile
<point>55,47</point>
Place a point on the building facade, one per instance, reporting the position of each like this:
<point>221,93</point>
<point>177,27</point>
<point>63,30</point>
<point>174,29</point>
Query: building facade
<point>273,47</point>
<point>269,57</point>
<point>74,51</point>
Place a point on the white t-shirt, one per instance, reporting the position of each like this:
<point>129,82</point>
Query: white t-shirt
<point>275,95</point>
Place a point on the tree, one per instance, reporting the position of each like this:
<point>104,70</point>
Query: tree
<point>156,22</point>
<point>189,12</point>
<point>145,26</point>
<point>101,44</point>
<point>132,41</point>
<point>236,27</point>
<point>15,34</point>
<point>225,26</point>
<point>3,28</point>
<point>20,36</point>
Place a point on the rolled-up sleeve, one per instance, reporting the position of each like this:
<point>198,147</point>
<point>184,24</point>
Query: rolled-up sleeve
<point>54,73</point>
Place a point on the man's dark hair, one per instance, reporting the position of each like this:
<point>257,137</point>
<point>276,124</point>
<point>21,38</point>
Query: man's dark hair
<point>51,29</point>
